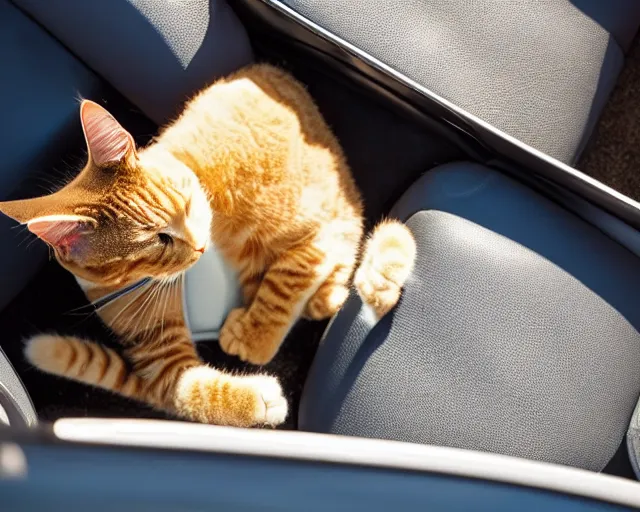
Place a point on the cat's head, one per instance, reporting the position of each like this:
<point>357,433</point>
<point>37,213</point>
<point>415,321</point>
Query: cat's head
<point>127,215</point>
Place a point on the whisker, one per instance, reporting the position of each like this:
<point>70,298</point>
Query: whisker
<point>145,289</point>
<point>79,310</point>
<point>136,319</point>
<point>25,239</point>
<point>31,242</point>
<point>171,288</point>
<point>155,304</point>
<point>164,310</point>
<point>139,289</point>
<point>91,306</point>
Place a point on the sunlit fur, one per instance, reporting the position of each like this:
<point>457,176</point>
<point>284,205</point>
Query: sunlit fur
<point>251,166</point>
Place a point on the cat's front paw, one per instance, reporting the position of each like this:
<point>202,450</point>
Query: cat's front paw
<point>272,407</point>
<point>386,265</point>
<point>240,337</point>
<point>207,395</point>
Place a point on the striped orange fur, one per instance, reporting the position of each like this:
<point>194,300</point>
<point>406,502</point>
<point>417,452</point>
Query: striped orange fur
<point>251,166</point>
<point>162,367</point>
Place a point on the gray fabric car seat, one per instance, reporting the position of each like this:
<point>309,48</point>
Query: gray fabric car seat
<point>157,53</point>
<point>516,334</point>
<point>154,53</point>
<point>539,71</point>
<point>38,101</point>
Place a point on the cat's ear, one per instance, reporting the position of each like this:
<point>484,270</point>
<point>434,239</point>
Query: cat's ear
<point>107,141</point>
<point>64,232</point>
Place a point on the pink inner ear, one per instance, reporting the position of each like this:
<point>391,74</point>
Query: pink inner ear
<point>107,140</point>
<point>63,234</point>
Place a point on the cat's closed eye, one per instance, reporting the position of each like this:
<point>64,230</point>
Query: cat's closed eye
<point>165,239</point>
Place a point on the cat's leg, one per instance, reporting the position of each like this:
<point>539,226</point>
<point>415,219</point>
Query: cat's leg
<point>83,361</point>
<point>342,242</point>
<point>249,283</point>
<point>211,396</point>
<point>387,262</point>
<point>171,377</point>
<point>175,378</point>
<point>331,295</point>
<point>255,333</point>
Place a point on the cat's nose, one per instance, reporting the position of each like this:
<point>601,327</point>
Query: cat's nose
<point>201,250</point>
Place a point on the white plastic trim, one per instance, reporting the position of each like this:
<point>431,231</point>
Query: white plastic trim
<point>348,450</point>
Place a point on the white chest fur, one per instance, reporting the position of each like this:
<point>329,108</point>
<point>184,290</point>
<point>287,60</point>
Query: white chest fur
<point>210,292</point>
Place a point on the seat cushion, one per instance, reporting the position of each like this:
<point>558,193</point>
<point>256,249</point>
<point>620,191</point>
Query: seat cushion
<point>516,334</point>
<point>39,92</point>
<point>539,71</point>
<point>157,53</point>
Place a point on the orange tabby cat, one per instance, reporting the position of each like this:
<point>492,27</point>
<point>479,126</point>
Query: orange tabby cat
<point>250,166</point>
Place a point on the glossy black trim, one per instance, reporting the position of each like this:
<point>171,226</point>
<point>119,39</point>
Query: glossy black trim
<point>269,17</point>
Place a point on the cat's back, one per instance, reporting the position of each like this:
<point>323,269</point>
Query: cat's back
<point>265,84</point>
<point>260,86</point>
<point>260,101</point>
<point>257,129</point>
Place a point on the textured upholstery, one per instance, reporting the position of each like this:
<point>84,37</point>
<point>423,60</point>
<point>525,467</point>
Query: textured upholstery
<point>516,334</point>
<point>156,53</point>
<point>15,404</point>
<point>633,441</point>
<point>38,101</point>
<point>540,71</point>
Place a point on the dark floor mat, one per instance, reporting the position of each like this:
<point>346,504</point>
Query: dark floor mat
<point>613,156</point>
